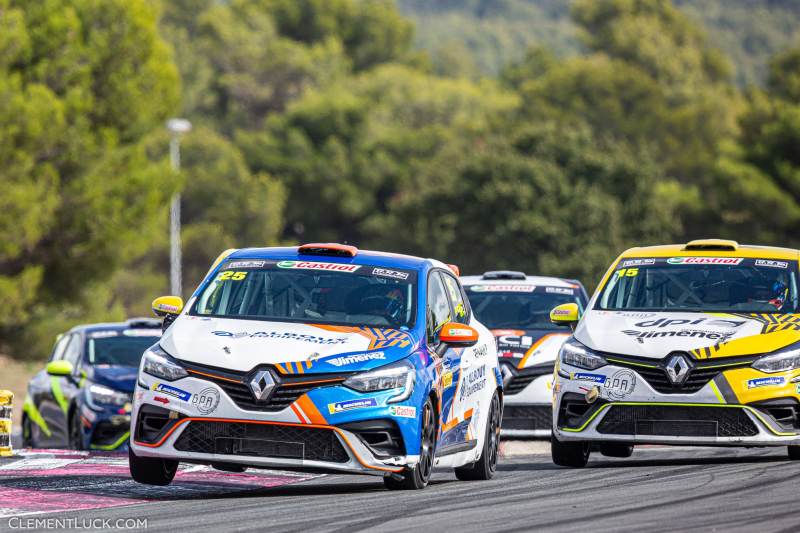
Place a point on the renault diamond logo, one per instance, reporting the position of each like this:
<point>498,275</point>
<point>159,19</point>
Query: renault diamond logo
<point>262,385</point>
<point>677,369</point>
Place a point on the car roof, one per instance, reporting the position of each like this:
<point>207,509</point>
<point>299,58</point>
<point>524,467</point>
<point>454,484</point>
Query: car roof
<point>543,281</point>
<point>132,323</point>
<point>738,250</point>
<point>361,257</point>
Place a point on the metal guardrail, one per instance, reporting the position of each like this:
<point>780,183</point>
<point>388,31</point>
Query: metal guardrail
<point>6,402</point>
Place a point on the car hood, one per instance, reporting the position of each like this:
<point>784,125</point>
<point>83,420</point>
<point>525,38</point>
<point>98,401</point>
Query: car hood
<point>241,345</point>
<point>121,378</point>
<point>704,335</point>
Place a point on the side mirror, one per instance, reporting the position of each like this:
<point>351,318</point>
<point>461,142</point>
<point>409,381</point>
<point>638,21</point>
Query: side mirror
<point>60,368</point>
<point>565,315</point>
<point>167,305</point>
<point>458,335</point>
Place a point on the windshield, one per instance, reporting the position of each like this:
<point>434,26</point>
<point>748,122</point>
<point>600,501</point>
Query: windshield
<point>708,284</point>
<point>311,291</point>
<point>123,348</point>
<point>519,306</point>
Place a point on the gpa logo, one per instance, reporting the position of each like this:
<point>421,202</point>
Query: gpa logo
<point>621,384</point>
<point>206,400</point>
<point>774,381</point>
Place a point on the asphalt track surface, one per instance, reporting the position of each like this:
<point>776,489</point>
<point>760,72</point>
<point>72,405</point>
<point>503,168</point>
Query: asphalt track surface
<point>658,489</point>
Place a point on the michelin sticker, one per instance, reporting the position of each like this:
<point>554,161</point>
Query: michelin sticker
<point>774,381</point>
<point>172,391</point>
<point>344,360</point>
<point>621,384</point>
<point>206,400</point>
<point>584,376</point>
<point>403,411</point>
<point>349,405</point>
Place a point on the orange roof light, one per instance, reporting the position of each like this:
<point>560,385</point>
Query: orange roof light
<point>455,269</point>
<point>329,248</point>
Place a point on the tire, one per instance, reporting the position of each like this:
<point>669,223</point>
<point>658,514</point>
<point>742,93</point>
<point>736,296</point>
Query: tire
<point>151,470</point>
<point>27,434</point>
<point>794,452</point>
<point>572,454</point>
<point>75,436</point>
<point>616,450</point>
<point>417,478</point>
<point>484,468</point>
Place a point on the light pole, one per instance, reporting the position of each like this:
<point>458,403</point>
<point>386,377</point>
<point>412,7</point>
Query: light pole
<point>176,127</point>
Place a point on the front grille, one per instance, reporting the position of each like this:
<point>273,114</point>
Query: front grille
<point>262,440</point>
<point>697,378</point>
<point>677,421</point>
<point>527,417</point>
<point>287,388</point>
<point>523,378</point>
<point>282,397</point>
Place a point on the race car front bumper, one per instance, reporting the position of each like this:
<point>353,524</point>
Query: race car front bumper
<point>588,407</point>
<point>295,438</point>
<point>527,401</point>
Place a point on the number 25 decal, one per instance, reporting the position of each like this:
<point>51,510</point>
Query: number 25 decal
<point>235,276</point>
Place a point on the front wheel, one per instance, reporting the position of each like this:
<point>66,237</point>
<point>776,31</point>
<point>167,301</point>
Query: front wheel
<point>418,477</point>
<point>151,470</point>
<point>794,452</point>
<point>484,468</point>
<point>572,454</point>
<point>27,434</point>
<point>75,436</point>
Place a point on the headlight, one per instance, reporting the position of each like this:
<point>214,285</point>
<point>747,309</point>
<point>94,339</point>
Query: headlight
<point>395,376</point>
<point>779,362</point>
<point>574,353</point>
<point>158,363</point>
<point>98,396</point>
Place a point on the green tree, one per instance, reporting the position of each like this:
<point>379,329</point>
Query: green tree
<point>548,199</point>
<point>80,83</point>
<point>355,145</point>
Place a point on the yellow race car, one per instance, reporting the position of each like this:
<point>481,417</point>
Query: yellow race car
<point>695,344</point>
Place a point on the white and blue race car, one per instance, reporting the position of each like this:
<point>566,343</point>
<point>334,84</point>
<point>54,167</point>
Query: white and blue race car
<point>320,358</point>
<point>516,308</point>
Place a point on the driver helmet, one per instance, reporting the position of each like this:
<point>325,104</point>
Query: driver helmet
<point>770,293</point>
